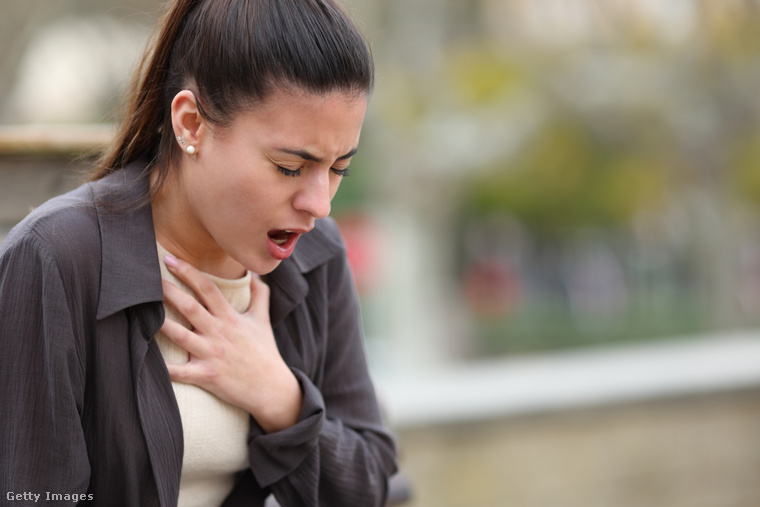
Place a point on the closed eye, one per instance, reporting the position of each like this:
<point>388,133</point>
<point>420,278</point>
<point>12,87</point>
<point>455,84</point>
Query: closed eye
<point>293,173</point>
<point>288,172</point>
<point>341,172</point>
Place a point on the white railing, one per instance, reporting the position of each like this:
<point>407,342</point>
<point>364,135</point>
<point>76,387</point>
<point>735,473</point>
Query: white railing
<point>54,139</point>
<point>489,389</point>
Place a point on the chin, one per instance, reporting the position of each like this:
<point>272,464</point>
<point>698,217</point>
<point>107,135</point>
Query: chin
<point>264,268</point>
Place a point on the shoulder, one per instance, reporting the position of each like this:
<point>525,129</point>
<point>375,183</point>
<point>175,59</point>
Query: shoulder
<point>94,239</point>
<point>68,226</point>
<point>55,251</point>
<point>62,227</point>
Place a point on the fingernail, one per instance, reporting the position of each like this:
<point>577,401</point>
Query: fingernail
<point>171,261</point>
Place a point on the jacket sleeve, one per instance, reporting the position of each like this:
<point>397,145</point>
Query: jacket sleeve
<point>42,447</point>
<point>342,452</point>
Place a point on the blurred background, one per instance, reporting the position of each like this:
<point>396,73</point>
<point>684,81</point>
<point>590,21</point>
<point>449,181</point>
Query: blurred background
<point>554,223</point>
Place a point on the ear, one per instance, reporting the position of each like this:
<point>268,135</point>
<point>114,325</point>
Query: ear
<point>186,120</point>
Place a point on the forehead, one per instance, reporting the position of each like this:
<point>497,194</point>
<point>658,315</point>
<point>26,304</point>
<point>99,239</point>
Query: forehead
<point>330,122</point>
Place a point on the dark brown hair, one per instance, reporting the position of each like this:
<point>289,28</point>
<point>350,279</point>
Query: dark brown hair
<point>233,54</point>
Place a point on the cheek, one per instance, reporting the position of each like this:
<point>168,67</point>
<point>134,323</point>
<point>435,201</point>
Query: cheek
<point>221,195</point>
<point>257,195</point>
<point>227,180</point>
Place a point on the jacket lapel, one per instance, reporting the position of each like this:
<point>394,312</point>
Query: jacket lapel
<point>157,405</point>
<point>131,282</point>
<point>288,289</point>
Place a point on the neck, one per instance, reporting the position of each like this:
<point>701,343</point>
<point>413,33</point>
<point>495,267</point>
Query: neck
<point>186,239</point>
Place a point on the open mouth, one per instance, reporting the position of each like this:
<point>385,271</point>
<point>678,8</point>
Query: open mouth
<point>280,237</point>
<point>282,242</point>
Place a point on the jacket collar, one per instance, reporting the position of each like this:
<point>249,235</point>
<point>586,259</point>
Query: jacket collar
<point>130,270</point>
<point>130,273</point>
<point>287,282</point>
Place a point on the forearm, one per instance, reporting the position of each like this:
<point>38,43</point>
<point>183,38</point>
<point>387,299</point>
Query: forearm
<point>325,460</point>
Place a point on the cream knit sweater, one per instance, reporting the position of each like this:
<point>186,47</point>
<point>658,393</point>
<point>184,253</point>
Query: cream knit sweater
<point>215,432</point>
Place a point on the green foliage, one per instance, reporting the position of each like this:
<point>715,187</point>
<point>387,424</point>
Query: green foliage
<point>480,76</point>
<point>546,326</point>
<point>567,178</point>
<point>401,100</point>
<point>745,168</point>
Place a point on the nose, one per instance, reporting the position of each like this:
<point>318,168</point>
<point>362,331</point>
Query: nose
<point>315,194</point>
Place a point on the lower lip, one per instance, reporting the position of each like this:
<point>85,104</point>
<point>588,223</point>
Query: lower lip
<point>282,252</point>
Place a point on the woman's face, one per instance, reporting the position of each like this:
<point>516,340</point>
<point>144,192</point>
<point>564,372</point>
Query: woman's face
<point>254,187</point>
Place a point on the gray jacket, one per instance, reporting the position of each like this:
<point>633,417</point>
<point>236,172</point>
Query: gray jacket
<point>86,403</point>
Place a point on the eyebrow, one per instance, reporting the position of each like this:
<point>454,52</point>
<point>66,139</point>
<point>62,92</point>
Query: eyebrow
<point>313,158</point>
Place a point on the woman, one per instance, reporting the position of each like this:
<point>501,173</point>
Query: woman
<point>241,125</point>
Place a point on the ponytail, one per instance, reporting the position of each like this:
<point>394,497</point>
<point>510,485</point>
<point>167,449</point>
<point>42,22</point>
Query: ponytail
<point>142,132</point>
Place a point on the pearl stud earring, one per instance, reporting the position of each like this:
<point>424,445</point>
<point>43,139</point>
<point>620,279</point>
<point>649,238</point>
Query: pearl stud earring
<point>190,149</point>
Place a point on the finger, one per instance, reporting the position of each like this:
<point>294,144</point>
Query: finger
<point>188,307</point>
<point>208,293</point>
<point>259,297</point>
<point>188,340</point>
<point>188,373</point>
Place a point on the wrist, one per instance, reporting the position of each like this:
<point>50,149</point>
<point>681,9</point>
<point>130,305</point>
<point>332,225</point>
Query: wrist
<point>280,401</point>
